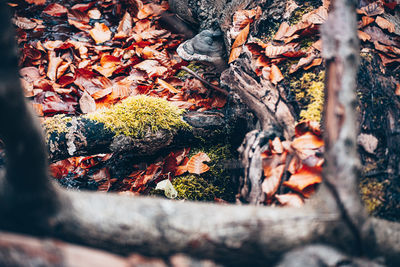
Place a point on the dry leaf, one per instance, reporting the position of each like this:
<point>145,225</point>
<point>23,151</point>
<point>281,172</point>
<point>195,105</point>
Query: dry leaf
<point>367,20</point>
<point>276,75</point>
<point>371,10</point>
<point>56,10</point>
<point>290,200</point>
<point>36,2</point>
<point>196,165</point>
<point>100,33</point>
<point>271,183</point>
<point>87,103</point>
<point>385,24</point>
<point>363,36</point>
<point>167,86</point>
<point>303,178</point>
<point>283,28</point>
<point>240,40</point>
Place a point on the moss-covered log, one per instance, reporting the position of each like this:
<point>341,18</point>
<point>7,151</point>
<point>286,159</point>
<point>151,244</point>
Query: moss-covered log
<point>141,125</point>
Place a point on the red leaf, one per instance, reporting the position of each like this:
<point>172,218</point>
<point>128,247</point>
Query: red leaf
<point>55,9</point>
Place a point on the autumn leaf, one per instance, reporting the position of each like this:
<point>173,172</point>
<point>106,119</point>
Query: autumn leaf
<point>36,2</point>
<point>290,200</point>
<point>363,36</point>
<point>384,24</point>
<point>87,103</point>
<point>371,10</point>
<point>276,75</point>
<point>280,34</point>
<point>240,40</point>
<point>167,86</point>
<point>307,141</point>
<point>305,177</point>
<point>271,182</point>
<point>100,33</point>
<point>195,164</point>
<point>55,9</point>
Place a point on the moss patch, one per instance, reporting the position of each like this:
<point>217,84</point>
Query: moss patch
<point>372,193</point>
<point>309,92</point>
<point>218,179</point>
<point>57,124</point>
<point>138,115</point>
<point>193,187</point>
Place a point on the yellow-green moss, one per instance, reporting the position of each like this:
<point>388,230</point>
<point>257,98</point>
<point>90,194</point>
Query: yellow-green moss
<point>57,123</point>
<point>194,66</point>
<point>220,173</point>
<point>193,187</point>
<point>296,16</point>
<point>372,193</point>
<point>309,91</point>
<point>138,115</point>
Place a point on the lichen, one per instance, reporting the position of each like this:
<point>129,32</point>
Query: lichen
<point>56,124</point>
<point>309,92</point>
<point>372,193</point>
<point>138,115</point>
<point>193,187</point>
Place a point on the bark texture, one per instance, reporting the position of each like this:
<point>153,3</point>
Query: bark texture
<point>233,235</point>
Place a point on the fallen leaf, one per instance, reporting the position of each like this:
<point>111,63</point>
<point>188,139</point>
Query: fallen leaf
<point>385,24</point>
<point>167,86</point>
<point>290,200</point>
<point>87,103</point>
<point>195,164</point>
<point>366,21</point>
<point>55,9</point>
<point>371,10</point>
<point>276,75</point>
<point>36,2</point>
<point>271,183</point>
<point>303,178</point>
<point>280,34</point>
<point>363,36</point>
<point>168,188</point>
<point>100,33</point>
<point>307,141</point>
<point>24,23</point>
<point>240,40</point>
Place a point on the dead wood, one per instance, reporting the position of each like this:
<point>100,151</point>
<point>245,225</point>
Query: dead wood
<point>230,234</point>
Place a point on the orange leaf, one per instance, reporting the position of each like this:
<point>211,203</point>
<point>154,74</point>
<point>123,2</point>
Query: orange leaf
<point>100,33</point>
<point>36,2</point>
<point>397,91</point>
<point>235,53</point>
<point>290,200</point>
<point>275,75</point>
<point>87,103</point>
<point>303,178</point>
<point>363,36</point>
<point>385,24</point>
<point>307,141</point>
<point>367,20</point>
<point>166,85</point>
<point>242,37</point>
<point>196,165</point>
<point>55,10</point>
<point>271,183</point>
<point>315,62</point>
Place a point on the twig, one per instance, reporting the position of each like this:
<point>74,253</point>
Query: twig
<point>194,74</point>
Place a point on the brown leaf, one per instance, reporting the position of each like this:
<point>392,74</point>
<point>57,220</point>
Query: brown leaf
<point>303,178</point>
<point>366,21</point>
<point>196,165</point>
<point>235,53</point>
<point>271,183</point>
<point>290,200</point>
<point>167,86</point>
<point>371,10</point>
<point>273,51</point>
<point>385,24</point>
<point>280,34</point>
<point>100,33</point>
<point>307,141</point>
<point>55,9</point>
<point>318,16</point>
<point>36,2</point>
<point>152,67</point>
<point>363,36</point>
<point>397,91</point>
<point>87,103</point>
<point>242,37</point>
<point>124,27</point>
<point>276,75</point>
<point>54,63</point>
<point>24,23</point>
<point>315,62</point>
<point>94,14</point>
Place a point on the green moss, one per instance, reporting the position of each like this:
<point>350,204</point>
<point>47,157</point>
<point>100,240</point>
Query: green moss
<point>298,13</point>
<point>192,66</point>
<point>138,115</point>
<point>57,124</point>
<point>307,42</point>
<point>309,92</point>
<point>193,187</point>
<point>372,193</point>
<point>220,173</point>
